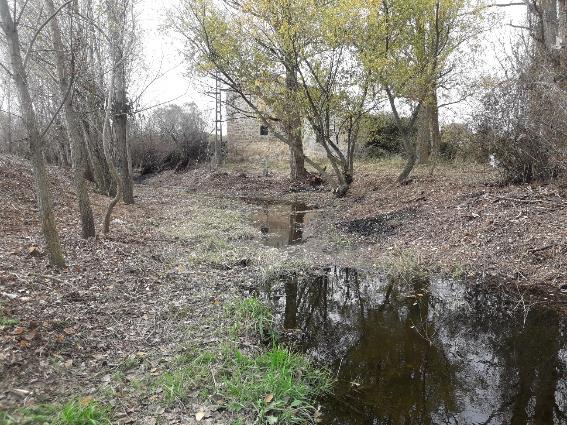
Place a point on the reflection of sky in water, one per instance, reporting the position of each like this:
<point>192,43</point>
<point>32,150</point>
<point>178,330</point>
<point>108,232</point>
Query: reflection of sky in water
<point>451,356</point>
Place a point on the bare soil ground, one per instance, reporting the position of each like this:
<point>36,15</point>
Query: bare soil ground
<point>121,310</point>
<point>129,303</point>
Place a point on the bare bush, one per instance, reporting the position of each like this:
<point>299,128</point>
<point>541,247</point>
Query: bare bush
<point>173,137</point>
<point>523,124</point>
<point>459,143</point>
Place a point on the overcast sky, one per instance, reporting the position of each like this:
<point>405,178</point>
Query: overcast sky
<point>163,57</point>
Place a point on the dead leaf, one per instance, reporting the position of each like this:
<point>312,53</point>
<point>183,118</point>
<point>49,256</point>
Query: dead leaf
<point>31,335</point>
<point>34,251</point>
<point>200,416</point>
<point>19,330</point>
<point>85,401</point>
<point>268,399</point>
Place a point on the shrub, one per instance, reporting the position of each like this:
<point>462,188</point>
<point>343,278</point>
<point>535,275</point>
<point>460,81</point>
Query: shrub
<point>458,142</point>
<point>172,138</point>
<point>524,121</point>
<point>381,136</point>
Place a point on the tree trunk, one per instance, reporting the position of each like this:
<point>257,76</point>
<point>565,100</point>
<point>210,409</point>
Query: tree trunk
<point>9,124</point>
<point>294,128</point>
<point>120,126</point>
<point>562,36</point>
<point>434,131</point>
<point>117,16</point>
<point>115,200</point>
<point>423,135</point>
<point>47,218</point>
<point>110,155</point>
<point>411,152</point>
<point>550,24</point>
<point>97,161</point>
<point>73,126</point>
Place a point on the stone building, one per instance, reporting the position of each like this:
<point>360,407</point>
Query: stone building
<point>244,130</point>
<point>242,127</point>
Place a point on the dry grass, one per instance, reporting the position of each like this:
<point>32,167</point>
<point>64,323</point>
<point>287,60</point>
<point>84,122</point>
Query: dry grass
<point>257,156</point>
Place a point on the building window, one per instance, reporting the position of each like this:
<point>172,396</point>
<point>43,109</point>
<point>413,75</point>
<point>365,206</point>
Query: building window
<point>264,131</point>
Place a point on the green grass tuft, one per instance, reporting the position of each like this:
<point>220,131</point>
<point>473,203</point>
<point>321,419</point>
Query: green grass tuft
<point>407,269</point>
<point>83,412</point>
<point>252,312</point>
<point>275,383</point>
<point>6,322</point>
<point>77,413</point>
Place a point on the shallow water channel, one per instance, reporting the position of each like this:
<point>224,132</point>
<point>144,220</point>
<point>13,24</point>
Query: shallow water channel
<point>430,352</point>
<point>281,223</point>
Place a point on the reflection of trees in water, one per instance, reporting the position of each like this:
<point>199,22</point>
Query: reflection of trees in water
<point>296,222</point>
<point>283,223</point>
<point>421,360</point>
<point>525,348</point>
<point>533,361</point>
<point>387,370</point>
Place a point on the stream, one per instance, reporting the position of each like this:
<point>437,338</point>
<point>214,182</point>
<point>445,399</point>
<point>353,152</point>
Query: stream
<point>435,351</point>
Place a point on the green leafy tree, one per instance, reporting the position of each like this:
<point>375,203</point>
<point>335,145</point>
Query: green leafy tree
<point>408,46</point>
<point>291,62</point>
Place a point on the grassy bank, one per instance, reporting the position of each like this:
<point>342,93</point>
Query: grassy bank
<point>262,381</point>
<point>244,370</point>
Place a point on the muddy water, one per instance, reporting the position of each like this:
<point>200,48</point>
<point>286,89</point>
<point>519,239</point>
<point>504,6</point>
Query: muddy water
<point>433,352</point>
<point>281,223</point>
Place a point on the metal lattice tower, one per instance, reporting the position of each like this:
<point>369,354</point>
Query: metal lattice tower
<point>219,145</point>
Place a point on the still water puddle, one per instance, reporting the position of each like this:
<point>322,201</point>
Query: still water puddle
<point>281,223</point>
<point>434,352</point>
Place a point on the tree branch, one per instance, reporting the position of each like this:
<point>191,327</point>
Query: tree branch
<point>41,27</point>
<point>69,90</point>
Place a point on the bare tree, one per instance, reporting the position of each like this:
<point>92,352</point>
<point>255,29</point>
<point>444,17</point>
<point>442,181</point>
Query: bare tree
<point>10,28</point>
<point>73,124</point>
<point>117,21</point>
<point>110,152</point>
<point>117,108</point>
<point>91,90</point>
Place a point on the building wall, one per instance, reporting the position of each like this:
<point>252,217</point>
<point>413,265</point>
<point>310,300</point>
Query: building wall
<point>242,127</point>
<point>244,132</point>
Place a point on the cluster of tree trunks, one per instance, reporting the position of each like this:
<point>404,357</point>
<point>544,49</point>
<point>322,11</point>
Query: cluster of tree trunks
<point>92,128</point>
